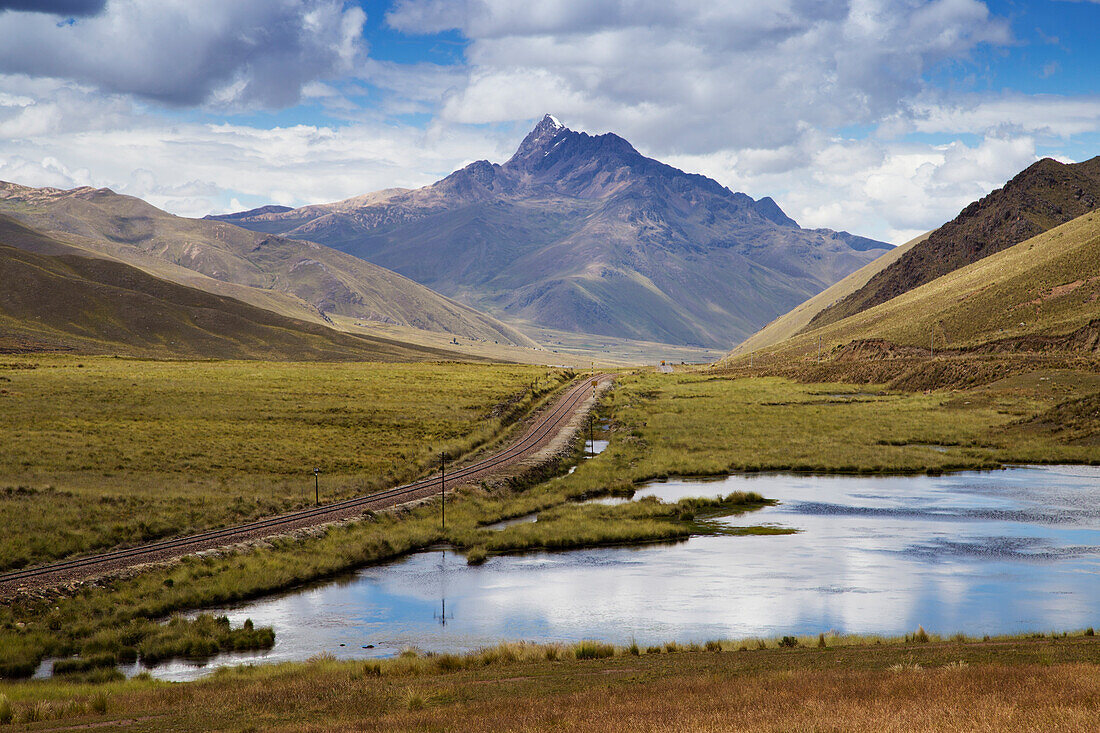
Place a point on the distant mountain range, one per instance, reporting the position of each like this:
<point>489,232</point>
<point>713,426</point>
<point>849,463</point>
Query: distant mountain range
<point>1041,197</point>
<point>301,280</point>
<point>57,298</point>
<point>583,233</point>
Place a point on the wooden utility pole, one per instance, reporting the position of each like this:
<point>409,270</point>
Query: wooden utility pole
<point>443,487</point>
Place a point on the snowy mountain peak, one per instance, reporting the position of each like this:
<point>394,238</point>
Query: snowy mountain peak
<point>538,140</point>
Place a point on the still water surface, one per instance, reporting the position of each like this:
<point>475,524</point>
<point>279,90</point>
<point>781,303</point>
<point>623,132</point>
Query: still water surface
<point>980,553</point>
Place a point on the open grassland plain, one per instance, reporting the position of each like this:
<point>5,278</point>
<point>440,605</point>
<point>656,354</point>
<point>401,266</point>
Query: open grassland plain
<point>692,424</point>
<point>659,425</point>
<point>102,452</point>
<point>1018,684</point>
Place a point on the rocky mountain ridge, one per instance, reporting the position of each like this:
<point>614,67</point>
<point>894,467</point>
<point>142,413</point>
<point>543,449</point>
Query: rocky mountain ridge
<point>582,233</point>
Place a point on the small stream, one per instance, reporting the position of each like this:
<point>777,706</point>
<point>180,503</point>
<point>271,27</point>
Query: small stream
<point>981,553</point>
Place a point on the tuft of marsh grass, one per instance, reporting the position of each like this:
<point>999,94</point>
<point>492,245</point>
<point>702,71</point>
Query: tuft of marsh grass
<point>85,664</point>
<point>414,699</point>
<point>920,636</point>
<point>6,712</point>
<point>593,650</point>
<point>201,637</point>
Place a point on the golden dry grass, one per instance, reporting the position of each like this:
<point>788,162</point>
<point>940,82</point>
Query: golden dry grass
<point>1018,685</point>
<point>1062,698</point>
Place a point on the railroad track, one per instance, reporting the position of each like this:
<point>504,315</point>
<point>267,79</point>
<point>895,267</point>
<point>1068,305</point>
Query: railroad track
<point>543,429</point>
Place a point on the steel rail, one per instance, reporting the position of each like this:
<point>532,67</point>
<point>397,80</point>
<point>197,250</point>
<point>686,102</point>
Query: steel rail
<point>540,430</point>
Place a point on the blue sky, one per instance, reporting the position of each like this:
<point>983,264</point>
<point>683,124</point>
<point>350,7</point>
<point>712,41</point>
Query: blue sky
<point>883,117</point>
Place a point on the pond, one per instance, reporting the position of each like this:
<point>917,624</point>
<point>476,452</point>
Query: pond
<point>978,553</point>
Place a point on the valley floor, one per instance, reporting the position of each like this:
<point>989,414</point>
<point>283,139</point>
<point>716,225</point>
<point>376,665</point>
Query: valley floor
<point>689,423</point>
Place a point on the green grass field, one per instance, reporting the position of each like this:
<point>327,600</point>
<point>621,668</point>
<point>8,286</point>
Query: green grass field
<point>100,452</point>
<point>659,425</point>
<point>706,424</point>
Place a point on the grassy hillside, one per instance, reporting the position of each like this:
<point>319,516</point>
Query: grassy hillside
<point>796,320</point>
<point>1038,296</point>
<point>69,302</point>
<point>1043,196</point>
<point>298,279</point>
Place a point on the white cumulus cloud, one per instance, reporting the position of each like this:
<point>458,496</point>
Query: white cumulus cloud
<point>190,52</point>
